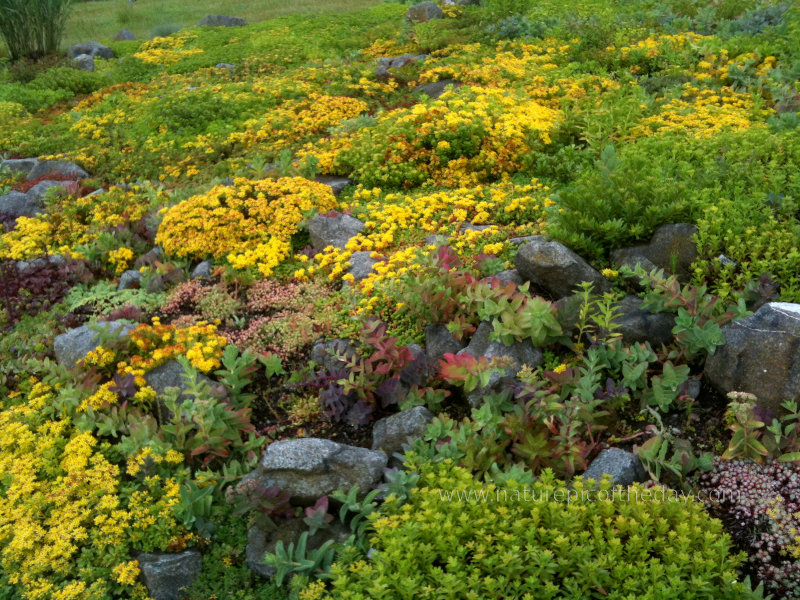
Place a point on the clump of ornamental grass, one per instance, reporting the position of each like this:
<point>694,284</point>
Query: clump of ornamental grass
<point>33,28</point>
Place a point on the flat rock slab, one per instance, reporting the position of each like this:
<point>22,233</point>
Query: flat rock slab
<point>72,346</point>
<point>761,356</point>
<point>308,468</point>
<point>168,576</point>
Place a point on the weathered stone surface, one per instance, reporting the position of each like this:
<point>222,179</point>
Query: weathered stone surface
<point>333,230</point>
<point>624,467</point>
<point>124,35</point>
<point>439,341</point>
<point>555,268</point>
<point>398,62</point>
<point>761,356</point>
<point>37,193</point>
<point>508,276</point>
<point>202,270</point>
<point>391,433</point>
<point>85,62</point>
<point>308,468</point>
<point>323,353</point>
<point>261,541</point>
<point>19,165</point>
<point>130,279</point>
<point>167,576</point>
<point>640,325</point>
<point>72,346</point>
<point>171,374</point>
<point>521,353</point>
<point>337,184</point>
<point>221,21</point>
<point>16,204</point>
<point>92,49</point>
<point>53,259</point>
<point>361,264</point>
<point>56,167</point>
<point>423,12</point>
<point>224,65</point>
<point>437,88</point>
<point>672,248</point>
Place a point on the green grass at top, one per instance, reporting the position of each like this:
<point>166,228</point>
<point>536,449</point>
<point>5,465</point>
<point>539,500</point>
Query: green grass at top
<point>101,20</point>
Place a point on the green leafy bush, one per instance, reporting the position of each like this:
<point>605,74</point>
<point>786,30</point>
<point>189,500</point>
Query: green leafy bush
<point>33,28</point>
<point>534,543</point>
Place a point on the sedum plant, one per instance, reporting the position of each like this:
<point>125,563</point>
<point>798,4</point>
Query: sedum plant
<point>446,541</point>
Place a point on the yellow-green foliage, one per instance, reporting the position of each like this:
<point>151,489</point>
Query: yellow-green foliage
<point>584,542</point>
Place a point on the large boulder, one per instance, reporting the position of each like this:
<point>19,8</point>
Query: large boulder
<point>554,268</point>
<point>439,341</point>
<point>19,165</point>
<point>168,576</point>
<point>16,204</point>
<point>672,248</point>
<point>423,12</point>
<point>391,433</point>
<point>333,230</point>
<point>221,21</point>
<point>624,467</point>
<point>637,324</point>
<point>56,167</point>
<point>92,49</point>
<point>520,353</point>
<point>72,346</point>
<point>261,540</point>
<point>308,468</point>
<point>37,193</point>
<point>761,356</point>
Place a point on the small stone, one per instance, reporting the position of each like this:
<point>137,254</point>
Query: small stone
<point>333,230</point>
<point>124,35</point>
<point>224,65</point>
<point>72,346</point>
<point>168,576</point>
<point>221,21</point>
<point>56,167</point>
<point>202,270</point>
<point>398,62</point>
<point>324,354</point>
<point>85,62</point>
<point>391,433</point>
<point>337,184</point>
<point>171,374</point>
<point>92,49</point>
<point>437,88</point>
<point>555,268</point>
<point>672,248</point>
<point>361,264</point>
<point>423,12</point>
<point>149,258</point>
<point>130,279</point>
<point>308,468</point>
<point>625,468</point>
<point>19,165</point>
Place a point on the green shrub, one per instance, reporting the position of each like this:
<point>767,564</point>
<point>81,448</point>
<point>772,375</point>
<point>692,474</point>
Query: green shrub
<point>33,28</point>
<point>543,541</point>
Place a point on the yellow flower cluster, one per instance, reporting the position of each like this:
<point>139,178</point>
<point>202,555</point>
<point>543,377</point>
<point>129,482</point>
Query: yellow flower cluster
<point>120,259</point>
<point>250,223</point>
<point>167,50</point>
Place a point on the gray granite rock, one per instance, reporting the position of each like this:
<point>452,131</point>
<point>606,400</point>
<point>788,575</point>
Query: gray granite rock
<point>308,468</point>
<point>53,259</point>
<point>202,270</point>
<point>333,230</point>
<point>130,279</point>
<point>555,268</point>
<point>423,12</point>
<point>171,374</point>
<point>324,353</point>
<point>361,264</point>
<point>637,324</point>
<point>168,576</point>
<point>337,184</point>
<point>19,165</point>
<point>149,258</point>
<point>72,346</point>
<point>16,204</point>
<point>224,65</point>
<point>391,433</point>
<point>92,49</point>
<point>672,248</point>
<point>437,88</point>
<point>84,62</point>
<point>761,356</point>
<point>124,35</point>
<point>624,467</point>
<point>439,341</point>
<point>56,167</point>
